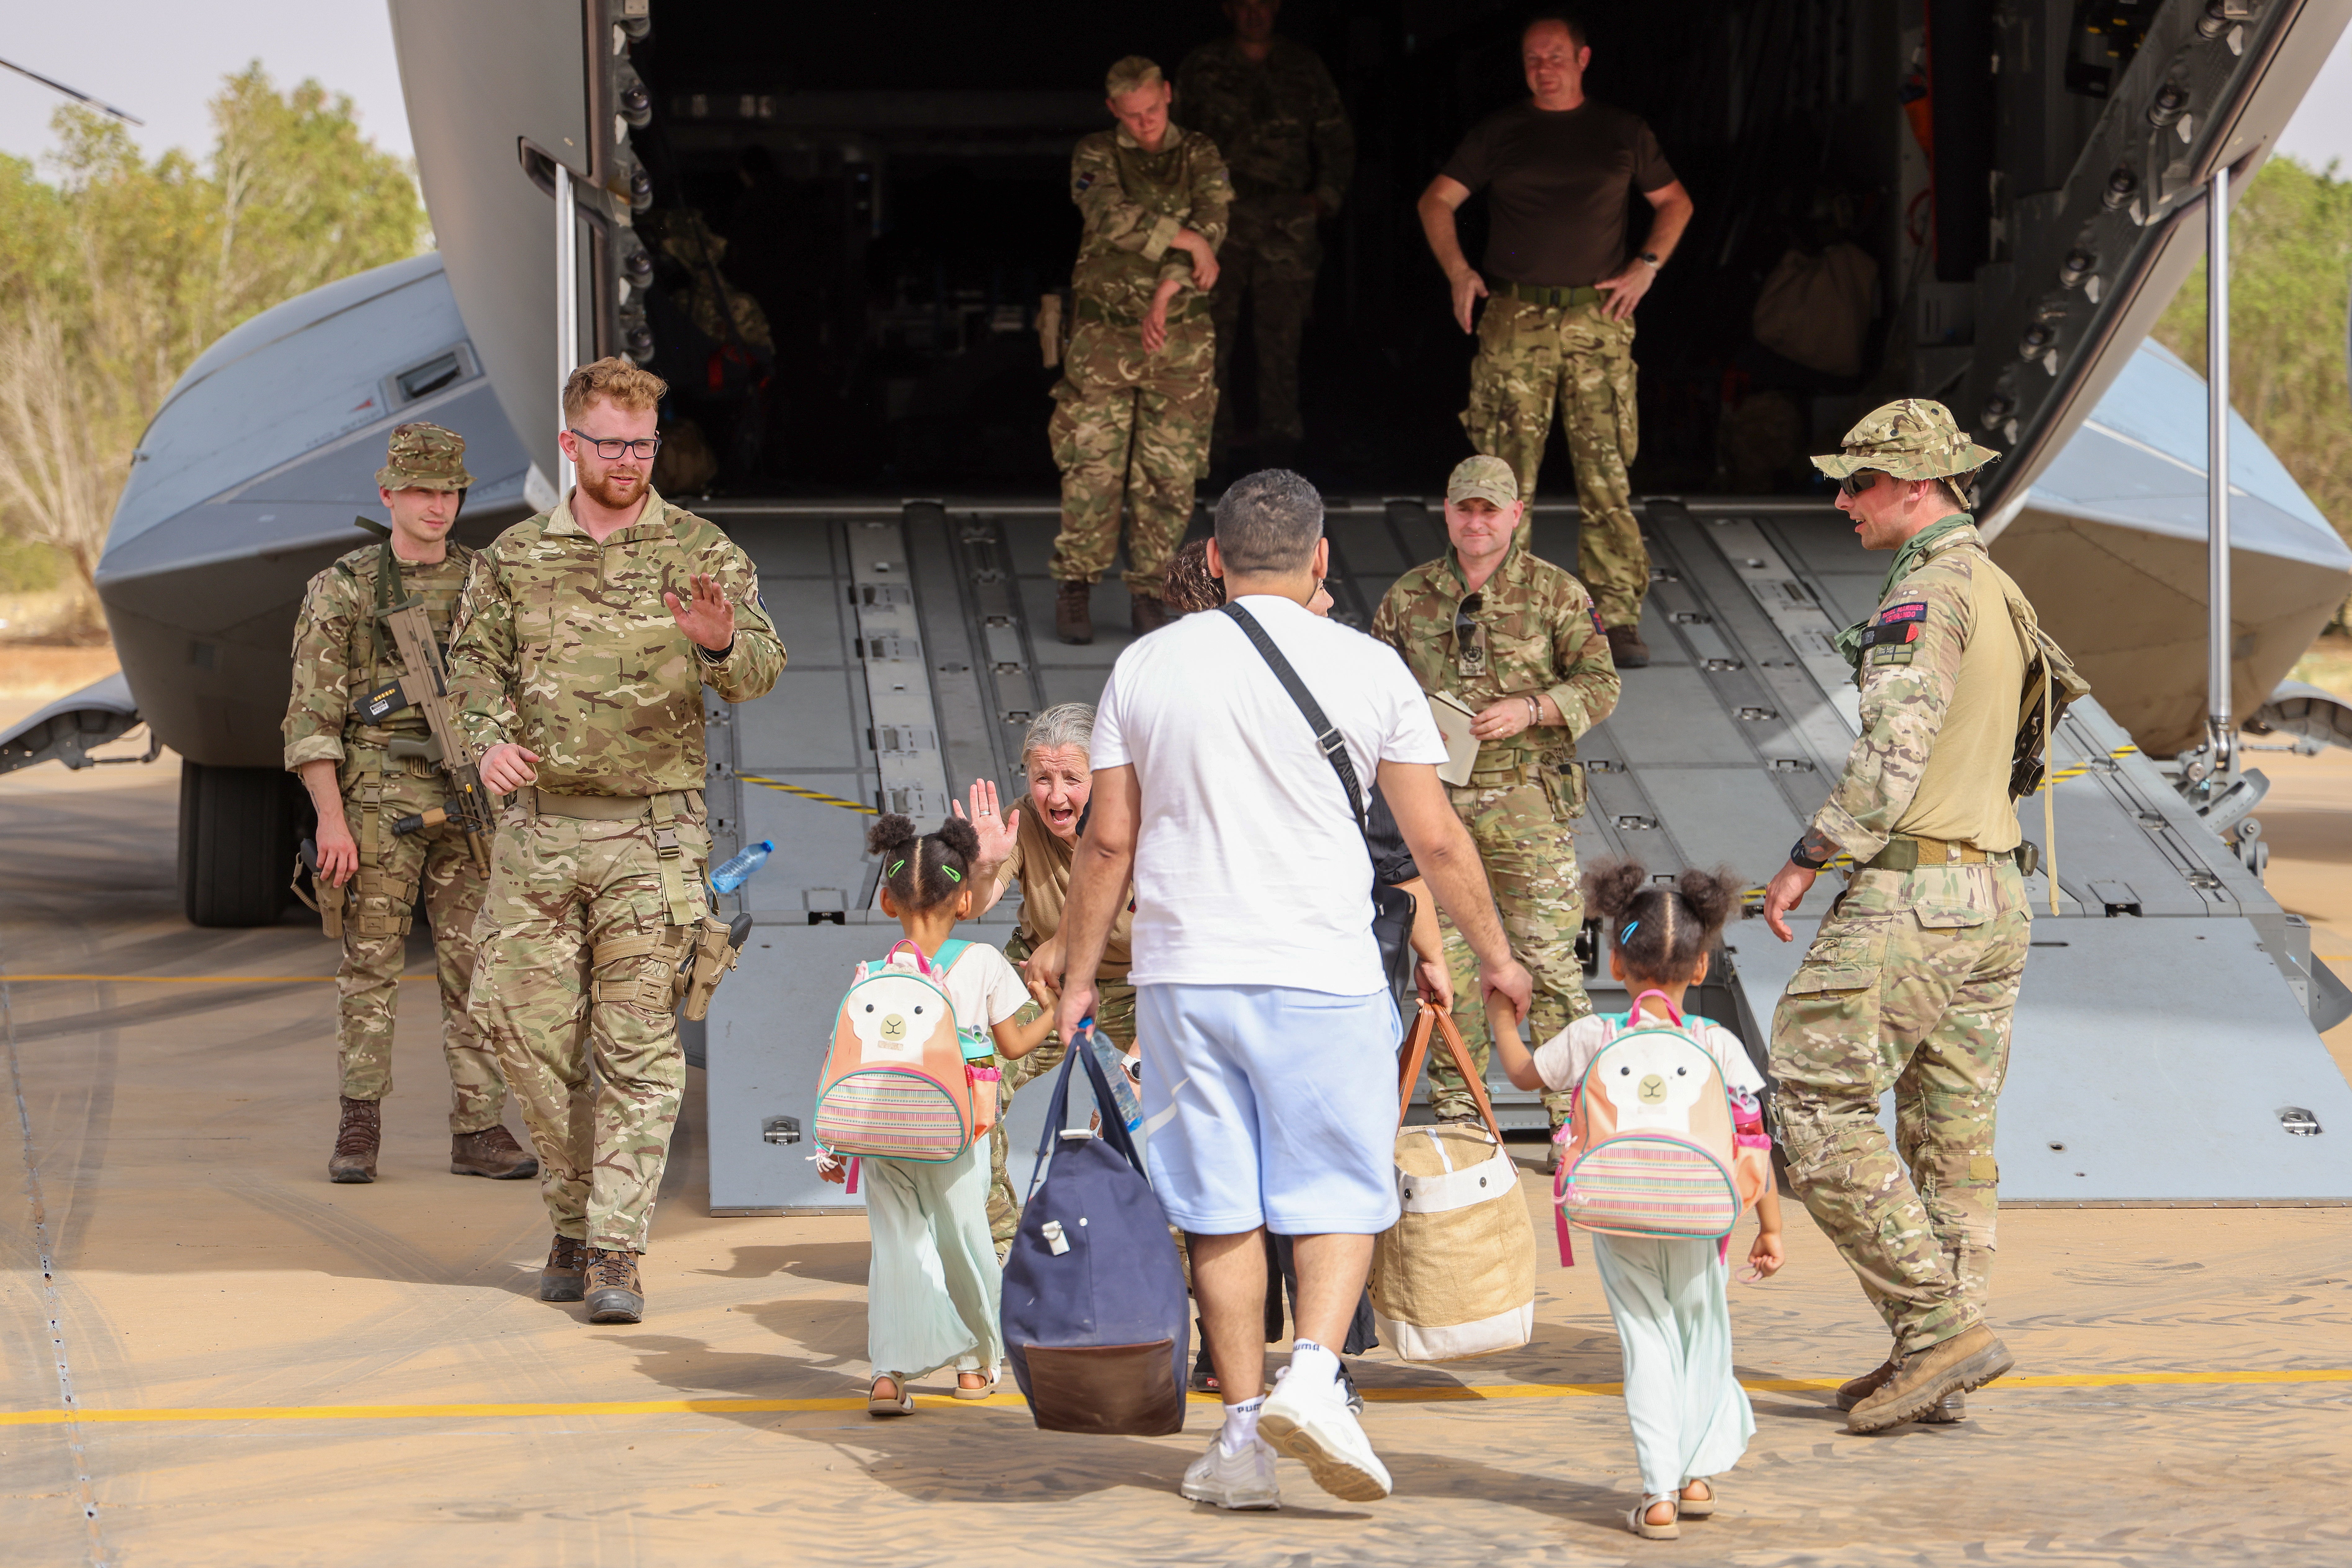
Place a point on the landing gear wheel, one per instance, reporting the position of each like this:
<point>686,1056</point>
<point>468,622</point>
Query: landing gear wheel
<point>236,843</point>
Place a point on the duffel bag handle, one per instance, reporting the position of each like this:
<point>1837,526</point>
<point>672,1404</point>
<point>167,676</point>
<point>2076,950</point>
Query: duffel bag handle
<point>1057,1112</point>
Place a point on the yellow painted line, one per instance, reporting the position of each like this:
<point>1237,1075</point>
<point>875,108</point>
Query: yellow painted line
<point>1441,1395</point>
<point>806,794</point>
<point>191,979</point>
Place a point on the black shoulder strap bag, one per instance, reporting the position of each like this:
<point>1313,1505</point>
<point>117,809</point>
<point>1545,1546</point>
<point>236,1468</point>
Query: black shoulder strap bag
<point>1392,908</point>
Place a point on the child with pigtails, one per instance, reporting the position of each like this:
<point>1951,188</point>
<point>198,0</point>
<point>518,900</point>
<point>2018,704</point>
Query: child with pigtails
<point>1669,1298</point>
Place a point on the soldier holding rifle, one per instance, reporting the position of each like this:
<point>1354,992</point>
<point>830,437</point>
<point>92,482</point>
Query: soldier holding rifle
<point>401,815</point>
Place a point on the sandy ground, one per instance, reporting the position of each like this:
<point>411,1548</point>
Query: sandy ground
<point>214,1356</point>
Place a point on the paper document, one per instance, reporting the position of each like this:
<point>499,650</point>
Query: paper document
<point>1454,719</point>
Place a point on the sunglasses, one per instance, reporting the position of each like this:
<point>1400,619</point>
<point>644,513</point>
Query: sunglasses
<point>1470,638</point>
<point>1853,484</point>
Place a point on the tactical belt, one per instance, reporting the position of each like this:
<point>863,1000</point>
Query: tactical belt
<point>664,810</point>
<point>1582,294</point>
<point>597,807</point>
<point>1907,854</point>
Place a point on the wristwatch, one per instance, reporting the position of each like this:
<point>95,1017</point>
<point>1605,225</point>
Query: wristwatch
<point>1797,858</point>
<point>1651,258</point>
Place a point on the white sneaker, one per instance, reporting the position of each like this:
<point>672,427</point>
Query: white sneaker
<point>1315,1426</point>
<point>1232,1480</point>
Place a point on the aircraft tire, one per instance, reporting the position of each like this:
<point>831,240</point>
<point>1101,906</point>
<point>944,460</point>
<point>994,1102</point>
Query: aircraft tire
<point>236,843</point>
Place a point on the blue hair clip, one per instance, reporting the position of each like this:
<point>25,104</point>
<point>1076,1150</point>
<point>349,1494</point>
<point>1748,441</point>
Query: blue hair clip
<point>1627,933</point>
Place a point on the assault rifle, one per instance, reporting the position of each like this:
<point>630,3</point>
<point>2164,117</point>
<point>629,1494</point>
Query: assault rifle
<point>425,687</point>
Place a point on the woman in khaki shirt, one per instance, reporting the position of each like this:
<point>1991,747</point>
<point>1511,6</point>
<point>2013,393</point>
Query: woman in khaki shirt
<point>1033,844</point>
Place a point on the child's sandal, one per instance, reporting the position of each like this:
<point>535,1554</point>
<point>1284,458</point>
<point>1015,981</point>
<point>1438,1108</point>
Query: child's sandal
<point>900,1403</point>
<point>1638,1520</point>
<point>1688,1507</point>
<point>983,1391</point>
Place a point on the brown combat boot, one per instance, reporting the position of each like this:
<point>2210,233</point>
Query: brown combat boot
<point>1951,1410</point>
<point>357,1138</point>
<point>614,1296</point>
<point>1074,618</point>
<point>1626,649</point>
<point>567,1264</point>
<point>1923,1379</point>
<point>491,1152</point>
<point>1146,612</point>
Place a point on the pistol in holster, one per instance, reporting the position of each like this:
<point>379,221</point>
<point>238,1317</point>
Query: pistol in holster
<point>330,901</point>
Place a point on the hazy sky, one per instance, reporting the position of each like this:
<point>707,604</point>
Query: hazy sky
<point>161,59</point>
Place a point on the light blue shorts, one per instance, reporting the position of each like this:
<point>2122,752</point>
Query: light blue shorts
<point>1269,1105</point>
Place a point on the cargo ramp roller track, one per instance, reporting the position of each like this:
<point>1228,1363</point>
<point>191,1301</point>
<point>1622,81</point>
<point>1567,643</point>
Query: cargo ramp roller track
<point>2163,1039</point>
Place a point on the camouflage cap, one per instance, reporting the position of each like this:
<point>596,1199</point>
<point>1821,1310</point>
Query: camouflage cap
<point>1129,74</point>
<point>1911,438</point>
<point>424,458</point>
<point>1488,478</point>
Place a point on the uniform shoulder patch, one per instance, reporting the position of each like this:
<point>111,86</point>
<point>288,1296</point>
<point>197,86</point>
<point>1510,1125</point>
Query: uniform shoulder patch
<point>1917,610</point>
<point>1594,610</point>
<point>1082,181</point>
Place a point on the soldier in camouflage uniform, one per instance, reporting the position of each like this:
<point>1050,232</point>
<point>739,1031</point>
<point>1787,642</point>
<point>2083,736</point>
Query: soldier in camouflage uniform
<point>1911,982</point>
<point>1275,113</point>
<point>584,646</point>
<point>1131,413</point>
<point>1516,640</point>
<point>364,777</point>
<point>1559,170</point>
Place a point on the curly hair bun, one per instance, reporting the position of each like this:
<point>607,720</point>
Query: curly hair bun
<point>891,834</point>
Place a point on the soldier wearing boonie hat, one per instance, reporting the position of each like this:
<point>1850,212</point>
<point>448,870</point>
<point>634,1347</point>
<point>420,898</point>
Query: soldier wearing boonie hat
<point>361,787</point>
<point>1912,981</point>
<point>1515,639</point>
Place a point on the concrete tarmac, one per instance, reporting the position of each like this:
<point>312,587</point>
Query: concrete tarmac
<point>215,1356</point>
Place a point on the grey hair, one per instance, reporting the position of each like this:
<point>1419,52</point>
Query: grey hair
<point>1268,521</point>
<point>1062,724</point>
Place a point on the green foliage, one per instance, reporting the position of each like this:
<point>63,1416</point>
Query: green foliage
<point>2290,281</point>
<point>117,274</point>
<point>29,568</point>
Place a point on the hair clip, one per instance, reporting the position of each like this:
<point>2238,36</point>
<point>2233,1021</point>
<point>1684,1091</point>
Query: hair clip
<point>951,873</point>
<point>1629,931</point>
<point>895,868</point>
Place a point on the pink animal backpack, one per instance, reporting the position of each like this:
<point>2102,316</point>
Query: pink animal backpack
<point>893,1085</point>
<point>1654,1144</point>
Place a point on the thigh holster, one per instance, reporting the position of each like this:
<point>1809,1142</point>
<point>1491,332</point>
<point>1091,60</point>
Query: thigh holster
<point>657,977</point>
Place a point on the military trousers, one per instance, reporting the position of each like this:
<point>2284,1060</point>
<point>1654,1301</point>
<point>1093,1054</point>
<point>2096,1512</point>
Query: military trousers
<point>1526,842</point>
<point>592,1055</point>
<point>1532,358</point>
<point>1130,434</point>
<point>431,868</point>
<point>1113,1015</point>
<point>1264,265</point>
<point>1910,987</point>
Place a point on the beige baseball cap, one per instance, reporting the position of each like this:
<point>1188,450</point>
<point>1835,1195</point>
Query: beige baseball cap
<point>1488,478</point>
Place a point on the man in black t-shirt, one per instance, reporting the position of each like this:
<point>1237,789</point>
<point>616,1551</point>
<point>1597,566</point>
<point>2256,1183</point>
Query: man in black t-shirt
<point>1560,170</point>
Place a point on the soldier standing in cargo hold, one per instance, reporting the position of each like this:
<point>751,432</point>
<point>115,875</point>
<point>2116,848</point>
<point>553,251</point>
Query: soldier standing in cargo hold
<point>1515,640</point>
<point>584,646</point>
<point>363,776</point>
<point>1560,170</point>
<point>1912,980</point>
<point>1131,413</point>
<point>1275,115</point>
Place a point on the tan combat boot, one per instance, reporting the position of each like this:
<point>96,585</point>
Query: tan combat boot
<point>614,1296</point>
<point>1950,1411</point>
<point>491,1152</point>
<point>1924,1379</point>
<point>1146,614</point>
<point>567,1265</point>
<point>1073,619</point>
<point>357,1138</point>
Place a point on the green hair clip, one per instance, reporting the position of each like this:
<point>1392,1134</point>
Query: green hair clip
<point>953,874</point>
<point>896,867</point>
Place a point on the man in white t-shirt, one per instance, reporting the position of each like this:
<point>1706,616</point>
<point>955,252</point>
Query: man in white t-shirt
<point>1267,1031</point>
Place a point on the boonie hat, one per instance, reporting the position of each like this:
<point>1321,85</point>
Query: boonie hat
<point>1488,478</point>
<point>1910,438</point>
<point>1133,72</point>
<point>424,458</point>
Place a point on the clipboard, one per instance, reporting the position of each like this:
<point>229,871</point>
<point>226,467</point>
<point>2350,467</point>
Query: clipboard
<point>1453,718</point>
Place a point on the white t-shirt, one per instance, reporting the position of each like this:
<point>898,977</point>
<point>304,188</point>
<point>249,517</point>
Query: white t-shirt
<point>1561,1060</point>
<point>1249,867</point>
<point>983,988</point>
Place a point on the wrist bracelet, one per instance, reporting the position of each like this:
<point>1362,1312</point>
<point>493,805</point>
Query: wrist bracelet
<point>1535,710</point>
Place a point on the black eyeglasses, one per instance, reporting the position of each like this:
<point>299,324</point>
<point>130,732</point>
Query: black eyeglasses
<point>1860,479</point>
<point>643,448</point>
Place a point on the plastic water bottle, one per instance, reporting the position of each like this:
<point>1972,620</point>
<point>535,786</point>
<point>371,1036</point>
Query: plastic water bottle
<point>1113,1066</point>
<point>737,869</point>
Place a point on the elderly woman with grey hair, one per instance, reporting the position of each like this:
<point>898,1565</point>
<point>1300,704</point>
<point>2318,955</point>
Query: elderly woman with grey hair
<point>1033,847</point>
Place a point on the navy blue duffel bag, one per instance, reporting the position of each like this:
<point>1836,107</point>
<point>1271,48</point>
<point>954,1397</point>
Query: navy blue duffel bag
<point>1094,1317</point>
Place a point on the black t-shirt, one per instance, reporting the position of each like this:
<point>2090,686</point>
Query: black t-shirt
<point>1560,184</point>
